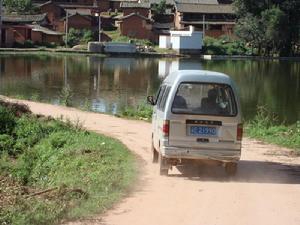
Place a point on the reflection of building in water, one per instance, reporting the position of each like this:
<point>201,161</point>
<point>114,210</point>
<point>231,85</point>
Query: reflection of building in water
<point>123,82</point>
<point>166,66</point>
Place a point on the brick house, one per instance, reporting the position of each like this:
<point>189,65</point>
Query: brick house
<point>137,26</point>
<point>143,9</point>
<point>19,28</point>
<point>76,21</point>
<point>219,18</point>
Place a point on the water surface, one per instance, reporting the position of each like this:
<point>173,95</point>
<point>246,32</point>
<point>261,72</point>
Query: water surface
<point>110,84</point>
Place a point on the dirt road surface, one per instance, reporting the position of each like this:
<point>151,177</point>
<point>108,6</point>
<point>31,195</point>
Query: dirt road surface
<point>266,189</point>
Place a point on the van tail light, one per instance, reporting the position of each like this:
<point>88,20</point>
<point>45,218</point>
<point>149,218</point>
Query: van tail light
<point>239,132</point>
<point>166,128</point>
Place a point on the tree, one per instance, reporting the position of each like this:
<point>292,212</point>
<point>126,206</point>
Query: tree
<point>20,6</point>
<point>160,8</point>
<point>272,26</point>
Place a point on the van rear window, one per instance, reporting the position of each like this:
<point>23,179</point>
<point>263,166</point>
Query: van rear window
<point>204,99</point>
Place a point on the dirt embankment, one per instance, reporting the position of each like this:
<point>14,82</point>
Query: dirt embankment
<point>266,189</point>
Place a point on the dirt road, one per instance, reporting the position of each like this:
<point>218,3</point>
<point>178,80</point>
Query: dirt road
<point>266,189</point>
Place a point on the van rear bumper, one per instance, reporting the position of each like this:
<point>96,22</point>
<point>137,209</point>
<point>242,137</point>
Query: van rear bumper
<point>228,155</point>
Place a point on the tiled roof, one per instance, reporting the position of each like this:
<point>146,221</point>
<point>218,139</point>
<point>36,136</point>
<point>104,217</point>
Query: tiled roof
<point>135,5</point>
<point>205,8</point>
<point>24,18</point>
<point>163,25</point>
<point>169,2</point>
<point>206,2</point>
<point>48,3</point>
<point>44,30</point>
<point>136,14</point>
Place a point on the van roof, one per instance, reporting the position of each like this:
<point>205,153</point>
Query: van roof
<point>198,76</point>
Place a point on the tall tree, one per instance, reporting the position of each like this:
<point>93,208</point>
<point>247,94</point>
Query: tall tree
<point>277,21</point>
<point>20,6</point>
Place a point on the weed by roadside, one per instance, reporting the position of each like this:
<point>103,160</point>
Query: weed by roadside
<point>141,112</point>
<point>65,96</point>
<point>52,170</point>
<point>265,126</point>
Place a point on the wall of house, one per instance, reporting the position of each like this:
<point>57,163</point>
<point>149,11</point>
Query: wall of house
<point>58,39</point>
<point>79,22</point>
<point>142,11</point>
<point>184,41</point>
<point>136,27</point>
<point>36,37</point>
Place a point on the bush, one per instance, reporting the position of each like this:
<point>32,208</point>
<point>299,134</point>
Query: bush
<point>28,44</point>
<point>6,144</point>
<point>7,121</point>
<point>28,132</point>
<point>76,37</point>
<point>224,46</point>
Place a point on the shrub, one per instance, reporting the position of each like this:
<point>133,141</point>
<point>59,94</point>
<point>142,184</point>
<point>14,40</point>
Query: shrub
<point>65,96</point>
<point>28,44</point>
<point>28,132</point>
<point>7,121</point>
<point>76,36</point>
<point>224,46</point>
<point>6,144</point>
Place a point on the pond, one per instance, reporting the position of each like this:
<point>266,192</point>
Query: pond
<point>109,84</point>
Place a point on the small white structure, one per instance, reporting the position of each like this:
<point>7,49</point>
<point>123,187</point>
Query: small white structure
<point>115,47</point>
<point>183,41</point>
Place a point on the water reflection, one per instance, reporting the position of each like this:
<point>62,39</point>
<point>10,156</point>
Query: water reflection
<point>110,84</point>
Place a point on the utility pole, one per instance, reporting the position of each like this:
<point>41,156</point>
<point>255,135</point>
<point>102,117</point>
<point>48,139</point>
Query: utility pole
<point>203,26</point>
<point>99,27</point>
<point>67,28</point>
<point>98,14</point>
<point>0,23</point>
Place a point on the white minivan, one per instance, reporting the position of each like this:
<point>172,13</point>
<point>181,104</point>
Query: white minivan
<point>196,116</point>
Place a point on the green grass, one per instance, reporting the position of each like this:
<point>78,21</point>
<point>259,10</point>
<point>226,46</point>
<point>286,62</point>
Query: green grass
<point>116,36</point>
<point>265,126</point>
<point>141,112</point>
<point>82,172</point>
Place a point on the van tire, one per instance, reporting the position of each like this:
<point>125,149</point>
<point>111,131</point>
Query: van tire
<point>155,154</point>
<point>163,166</point>
<point>231,168</point>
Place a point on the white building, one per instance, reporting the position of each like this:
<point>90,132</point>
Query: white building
<point>183,41</point>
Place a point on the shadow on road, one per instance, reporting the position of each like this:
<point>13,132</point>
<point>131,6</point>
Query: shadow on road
<point>248,172</point>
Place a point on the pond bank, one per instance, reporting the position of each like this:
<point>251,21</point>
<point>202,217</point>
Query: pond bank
<point>138,54</point>
<point>52,170</point>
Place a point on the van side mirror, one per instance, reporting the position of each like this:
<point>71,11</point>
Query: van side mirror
<point>150,100</point>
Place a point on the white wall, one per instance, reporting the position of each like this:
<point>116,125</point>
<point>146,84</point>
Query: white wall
<point>191,42</point>
<point>164,41</point>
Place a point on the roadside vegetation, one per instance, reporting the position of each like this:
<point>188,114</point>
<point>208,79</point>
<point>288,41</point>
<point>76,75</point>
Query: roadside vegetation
<point>266,126</point>
<point>52,170</point>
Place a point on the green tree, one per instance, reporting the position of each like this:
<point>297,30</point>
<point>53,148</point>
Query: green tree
<point>271,26</point>
<point>20,6</point>
<point>83,36</point>
<point>160,8</point>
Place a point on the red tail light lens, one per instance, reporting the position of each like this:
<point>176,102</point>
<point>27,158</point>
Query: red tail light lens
<point>166,128</point>
<point>239,132</point>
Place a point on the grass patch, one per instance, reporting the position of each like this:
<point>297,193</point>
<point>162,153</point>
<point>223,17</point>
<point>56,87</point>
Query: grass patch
<point>52,170</point>
<point>266,126</point>
<point>140,111</point>
<point>116,36</point>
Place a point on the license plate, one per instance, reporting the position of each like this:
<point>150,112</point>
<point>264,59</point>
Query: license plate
<point>204,131</point>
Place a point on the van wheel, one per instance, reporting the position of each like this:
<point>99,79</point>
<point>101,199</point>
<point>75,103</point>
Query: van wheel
<point>231,168</point>
<point>163,166</point>
<point>154,154</point>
